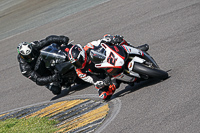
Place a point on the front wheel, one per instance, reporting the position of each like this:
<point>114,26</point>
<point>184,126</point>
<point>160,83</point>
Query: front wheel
<point>150,72</point>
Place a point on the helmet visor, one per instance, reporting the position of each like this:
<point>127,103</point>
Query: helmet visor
<point>79,62</point>
<point>28,58</point>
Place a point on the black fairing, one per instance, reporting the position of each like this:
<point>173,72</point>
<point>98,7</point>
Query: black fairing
<point>120,50</point>
<point>55,59</point>
<point>52,55</point>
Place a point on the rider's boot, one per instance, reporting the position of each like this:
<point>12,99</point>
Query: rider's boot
<point>144,47</point>
<point>54,88</point>
<point>106,95</point>
<point>66,88</point>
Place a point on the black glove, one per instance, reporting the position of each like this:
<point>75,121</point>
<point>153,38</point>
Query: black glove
<point>118,39</point>
<point>107,81</point>
<point>101,84</point>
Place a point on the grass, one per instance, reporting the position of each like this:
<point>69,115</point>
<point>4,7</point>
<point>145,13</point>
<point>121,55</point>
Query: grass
<point>30,125</point>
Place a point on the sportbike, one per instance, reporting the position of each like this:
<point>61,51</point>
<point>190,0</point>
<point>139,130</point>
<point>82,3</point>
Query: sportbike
<point>126,63</point>
<point>56,60</point>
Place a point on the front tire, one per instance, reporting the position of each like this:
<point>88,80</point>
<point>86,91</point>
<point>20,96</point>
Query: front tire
<point>150,72</point>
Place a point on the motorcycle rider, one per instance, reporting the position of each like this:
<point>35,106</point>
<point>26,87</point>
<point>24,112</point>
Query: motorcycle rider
<point>86,69</point>
<point>33,67</point>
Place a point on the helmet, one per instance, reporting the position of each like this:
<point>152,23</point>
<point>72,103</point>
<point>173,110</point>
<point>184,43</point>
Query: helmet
<point>25,51</point>
<point>108,39</point>
<point>77,56</point>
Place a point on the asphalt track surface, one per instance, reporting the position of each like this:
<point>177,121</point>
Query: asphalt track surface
<point>170,27</point>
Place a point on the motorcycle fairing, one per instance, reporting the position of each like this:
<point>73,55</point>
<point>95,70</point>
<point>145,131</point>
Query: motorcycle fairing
<point>135,59</point>
<point>131,50</point>
<point>113,58</point>
<point>52,55</point>
<point>125,77</point>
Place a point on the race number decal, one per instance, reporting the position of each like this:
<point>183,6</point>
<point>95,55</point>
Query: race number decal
<point>111,58</point>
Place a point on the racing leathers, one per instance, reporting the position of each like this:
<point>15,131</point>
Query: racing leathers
<point>36,70</point>
<point>106,87</point>
<point>95,76</point>
<point>89,73</point>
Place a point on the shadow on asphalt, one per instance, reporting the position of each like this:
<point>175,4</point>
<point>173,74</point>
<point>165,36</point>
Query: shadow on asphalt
<point>129,89</point>
<point>73,89</point>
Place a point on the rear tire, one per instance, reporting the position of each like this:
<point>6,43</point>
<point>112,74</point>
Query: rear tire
<point>151,72</point>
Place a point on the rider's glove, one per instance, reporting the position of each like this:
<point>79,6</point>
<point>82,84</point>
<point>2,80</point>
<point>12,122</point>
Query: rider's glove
<point>101,84</point>
<point>107,81</point>
<point>118,39</point>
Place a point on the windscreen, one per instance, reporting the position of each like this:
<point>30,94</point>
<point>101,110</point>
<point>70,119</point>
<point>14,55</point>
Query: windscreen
<point>97,56</point>
<point>52,55</point>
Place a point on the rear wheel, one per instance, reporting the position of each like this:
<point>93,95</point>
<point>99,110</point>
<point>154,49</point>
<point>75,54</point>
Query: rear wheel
<point>150,72</point>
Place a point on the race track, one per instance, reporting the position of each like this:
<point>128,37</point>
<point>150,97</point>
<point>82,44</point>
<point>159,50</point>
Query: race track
<point>170,27</point>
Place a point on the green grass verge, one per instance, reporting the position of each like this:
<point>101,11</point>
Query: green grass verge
<point>30,125</point>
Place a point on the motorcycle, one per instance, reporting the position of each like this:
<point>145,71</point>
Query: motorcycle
<point>126,63</point>
<point>56,61</point>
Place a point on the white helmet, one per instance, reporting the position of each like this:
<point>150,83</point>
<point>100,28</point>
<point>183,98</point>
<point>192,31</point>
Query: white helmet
<point>25,51</point>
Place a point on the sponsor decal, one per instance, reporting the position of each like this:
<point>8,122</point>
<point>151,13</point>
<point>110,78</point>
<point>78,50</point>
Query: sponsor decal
<point>109,70</point>
<point>116,49</point>
<point>67,49</point>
